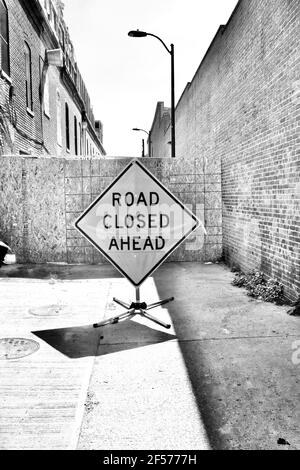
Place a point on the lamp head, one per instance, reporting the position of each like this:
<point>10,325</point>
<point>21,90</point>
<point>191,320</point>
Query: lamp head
<point>137,34</point>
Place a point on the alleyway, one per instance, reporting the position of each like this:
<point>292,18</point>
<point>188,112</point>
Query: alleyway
<point>222,377</point>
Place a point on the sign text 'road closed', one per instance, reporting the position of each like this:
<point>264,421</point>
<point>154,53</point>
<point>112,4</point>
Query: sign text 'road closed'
<point>136,223</point>
<point>142,218</point>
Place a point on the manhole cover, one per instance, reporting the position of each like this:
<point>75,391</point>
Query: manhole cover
<point>15,348</point>
<point>47,311</point>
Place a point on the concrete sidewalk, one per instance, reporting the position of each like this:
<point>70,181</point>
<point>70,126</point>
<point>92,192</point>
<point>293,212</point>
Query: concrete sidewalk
<point>223,377</point>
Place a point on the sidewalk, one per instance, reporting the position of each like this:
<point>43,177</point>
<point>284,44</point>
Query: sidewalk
<point>222,377</point>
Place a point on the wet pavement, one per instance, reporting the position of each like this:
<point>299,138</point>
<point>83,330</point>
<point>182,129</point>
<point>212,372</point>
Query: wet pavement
<point>225,376</point>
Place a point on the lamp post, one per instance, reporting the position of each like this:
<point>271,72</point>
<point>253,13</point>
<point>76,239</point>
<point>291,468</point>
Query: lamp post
<point>149,141</point>
<point>141,34</point>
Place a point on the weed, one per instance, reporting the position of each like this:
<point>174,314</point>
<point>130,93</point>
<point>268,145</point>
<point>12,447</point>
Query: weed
<point>259,287</point>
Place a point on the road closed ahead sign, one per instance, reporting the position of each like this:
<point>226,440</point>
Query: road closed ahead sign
<point>136,223</point>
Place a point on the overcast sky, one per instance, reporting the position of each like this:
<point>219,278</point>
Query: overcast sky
<point>126,77</point>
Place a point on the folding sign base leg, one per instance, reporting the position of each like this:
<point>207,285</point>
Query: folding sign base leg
<point>136,308</point>
<point>120,302</point>
<point>154,319</point>
<point>114,320</point>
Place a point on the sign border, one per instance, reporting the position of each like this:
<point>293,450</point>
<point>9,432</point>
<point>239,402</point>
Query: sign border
<point>197,222</point>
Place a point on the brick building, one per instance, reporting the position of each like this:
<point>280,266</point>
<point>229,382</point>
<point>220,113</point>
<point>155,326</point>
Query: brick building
<point>241,110</point>
<point>160,132</point>
<point>45,107</point>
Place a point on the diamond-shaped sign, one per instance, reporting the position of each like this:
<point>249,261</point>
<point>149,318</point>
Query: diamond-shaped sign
<point>136,223</point>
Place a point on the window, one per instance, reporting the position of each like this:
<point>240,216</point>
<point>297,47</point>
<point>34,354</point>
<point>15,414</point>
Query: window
<point>80,139</point>
<point>41,68</point>
<point>54,19</point>
<point>58,119</point>
<point>62,37</point>
<point>47,96</point>
<point>28,76</point>
<point>75,135</point>
<point>67,127</point>
<point>50,10</point>
<point>4,39</point>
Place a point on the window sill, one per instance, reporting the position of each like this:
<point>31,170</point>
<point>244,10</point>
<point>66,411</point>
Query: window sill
<point>5,76</point>
<point>30,112</point>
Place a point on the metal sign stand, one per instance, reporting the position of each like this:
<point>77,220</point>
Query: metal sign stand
<point>136,308</point>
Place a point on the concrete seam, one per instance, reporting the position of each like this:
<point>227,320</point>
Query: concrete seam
<point>176,340</point>
<point>80,404</point>
<point>83,393</point>
<point>237,337</point>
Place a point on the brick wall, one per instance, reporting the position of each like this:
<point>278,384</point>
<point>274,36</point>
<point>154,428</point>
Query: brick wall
<point>261,170</point>
<point>40,198</point>
<point>21,30</point>
<point>242,111</point>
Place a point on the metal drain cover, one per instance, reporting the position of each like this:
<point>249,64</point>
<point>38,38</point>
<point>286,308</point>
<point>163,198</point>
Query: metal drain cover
<point>15,348</point>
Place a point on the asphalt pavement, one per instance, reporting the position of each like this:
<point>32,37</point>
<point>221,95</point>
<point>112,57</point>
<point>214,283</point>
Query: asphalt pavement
<point>225,376</point>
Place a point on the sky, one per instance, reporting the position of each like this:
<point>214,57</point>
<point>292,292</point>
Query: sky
<point>125,76</point>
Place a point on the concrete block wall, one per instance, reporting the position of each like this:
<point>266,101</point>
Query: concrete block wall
<point>86,179</point>
<point>40,198</point>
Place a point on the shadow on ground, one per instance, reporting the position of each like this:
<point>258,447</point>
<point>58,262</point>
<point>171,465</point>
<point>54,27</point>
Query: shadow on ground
<point>83,341</point>
<point>168,282</point>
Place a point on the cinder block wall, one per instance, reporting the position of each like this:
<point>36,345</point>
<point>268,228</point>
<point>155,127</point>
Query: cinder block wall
<point>242,111</point>
<point>40,198</point>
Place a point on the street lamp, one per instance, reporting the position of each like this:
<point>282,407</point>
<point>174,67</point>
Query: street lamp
<point>141,34</point>
<point>149,141</point>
